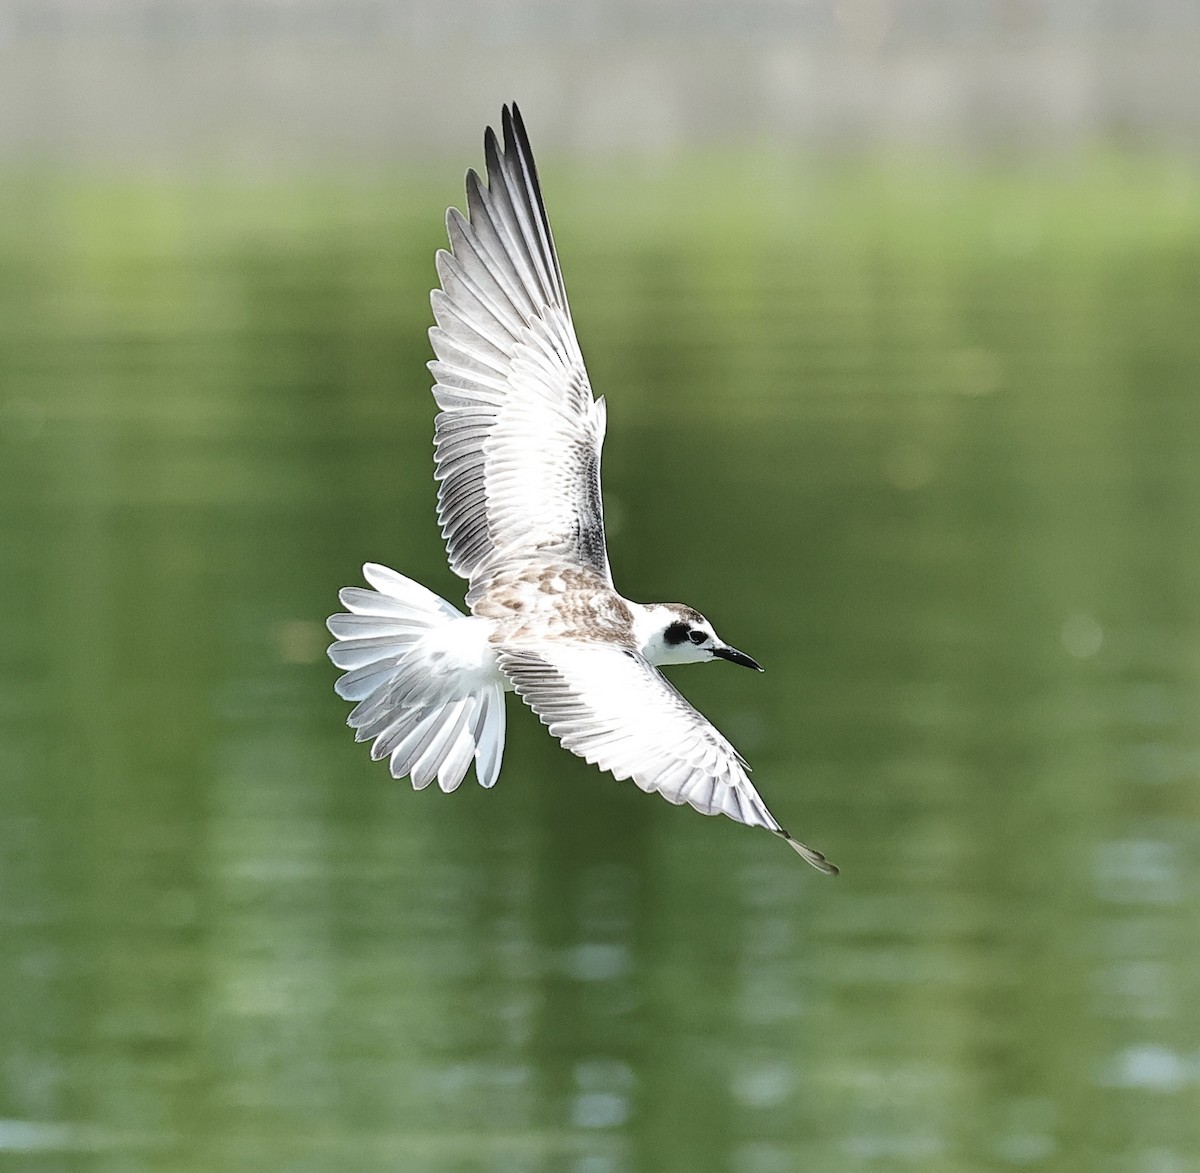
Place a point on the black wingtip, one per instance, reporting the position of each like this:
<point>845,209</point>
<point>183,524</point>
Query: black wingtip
<point>810,855</point>
<point>519,128</point>
<point>511,143</point>
<point>491,154</point>
<point>506,124</point>
<point>513,133</point>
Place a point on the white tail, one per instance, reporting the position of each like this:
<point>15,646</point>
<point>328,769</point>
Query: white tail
<point>424,679</point>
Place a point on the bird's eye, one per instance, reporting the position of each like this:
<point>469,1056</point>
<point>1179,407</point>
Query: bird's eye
<point>697,637</point>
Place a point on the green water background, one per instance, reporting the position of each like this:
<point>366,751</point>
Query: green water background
<point>923,438</point>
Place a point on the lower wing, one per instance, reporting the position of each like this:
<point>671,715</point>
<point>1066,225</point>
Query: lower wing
<point>614,709</point>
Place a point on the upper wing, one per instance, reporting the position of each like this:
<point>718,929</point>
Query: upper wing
<point>519,435</point>
<point>614,709</point>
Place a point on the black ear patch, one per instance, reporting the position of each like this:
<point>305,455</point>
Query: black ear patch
<point>676,633</point>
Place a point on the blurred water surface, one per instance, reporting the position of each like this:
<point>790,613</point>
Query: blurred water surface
<point>923,440</point>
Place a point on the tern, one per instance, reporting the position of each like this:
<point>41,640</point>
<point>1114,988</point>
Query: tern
<point>517,460</point>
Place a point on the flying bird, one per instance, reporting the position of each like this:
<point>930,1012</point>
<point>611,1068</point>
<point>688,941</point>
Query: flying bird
<point>517,458</point>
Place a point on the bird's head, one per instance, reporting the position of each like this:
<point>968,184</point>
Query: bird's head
<point>670,633</point>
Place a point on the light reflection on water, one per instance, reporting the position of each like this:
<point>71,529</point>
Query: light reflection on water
<point>945,496</point>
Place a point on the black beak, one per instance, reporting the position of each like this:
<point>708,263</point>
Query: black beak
<point>736,657</point>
